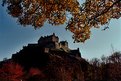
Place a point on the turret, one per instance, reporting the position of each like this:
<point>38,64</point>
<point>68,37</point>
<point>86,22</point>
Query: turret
<point>55,38</point>
<point>64,45</point>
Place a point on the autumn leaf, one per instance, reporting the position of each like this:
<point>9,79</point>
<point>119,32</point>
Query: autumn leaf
<point>94,13</point>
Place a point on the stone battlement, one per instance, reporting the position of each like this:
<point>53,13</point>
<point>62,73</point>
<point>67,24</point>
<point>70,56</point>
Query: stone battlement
<point>51,42</point>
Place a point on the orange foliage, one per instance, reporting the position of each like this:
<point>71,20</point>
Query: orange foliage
<point>82,17</point>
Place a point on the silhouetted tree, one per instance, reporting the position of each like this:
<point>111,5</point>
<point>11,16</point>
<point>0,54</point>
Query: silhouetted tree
<point>108,69</point>
<point>114,67</point>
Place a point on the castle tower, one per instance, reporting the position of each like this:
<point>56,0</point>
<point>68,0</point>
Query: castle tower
<point>55,38</point>
<point>64,45</point>
<point>47,39</point>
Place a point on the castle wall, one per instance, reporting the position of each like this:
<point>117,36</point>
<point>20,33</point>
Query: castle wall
<point>52,42</point>
<point>46,50</point>
<point>57,45</point>
<point>55,39</point>
<point>47,39</point>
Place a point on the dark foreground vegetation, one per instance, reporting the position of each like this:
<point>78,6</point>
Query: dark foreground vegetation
<point>63,68</point>
<point>51,60</point>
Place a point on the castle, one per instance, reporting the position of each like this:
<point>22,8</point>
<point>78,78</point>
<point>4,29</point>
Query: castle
<point>51,44</point>
<point>48,47</point>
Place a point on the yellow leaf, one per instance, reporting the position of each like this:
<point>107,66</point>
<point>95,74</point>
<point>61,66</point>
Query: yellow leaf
<point>109,3</point>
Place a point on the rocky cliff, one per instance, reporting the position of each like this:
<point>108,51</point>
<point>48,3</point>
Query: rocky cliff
<point>55,62</point>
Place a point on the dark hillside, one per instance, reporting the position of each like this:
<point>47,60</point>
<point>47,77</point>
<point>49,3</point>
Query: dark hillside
<point>54,59</point>
<point>51,60</point>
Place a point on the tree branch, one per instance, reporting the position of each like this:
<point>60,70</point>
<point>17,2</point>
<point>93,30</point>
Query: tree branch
<point>104,11</point>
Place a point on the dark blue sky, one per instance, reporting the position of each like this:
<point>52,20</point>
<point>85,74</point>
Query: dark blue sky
<point>14,36</point>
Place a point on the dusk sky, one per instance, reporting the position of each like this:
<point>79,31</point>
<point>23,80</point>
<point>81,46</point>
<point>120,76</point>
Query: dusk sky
<point>14,36</point>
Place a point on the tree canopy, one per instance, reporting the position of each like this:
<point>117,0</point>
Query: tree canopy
<point>79,18</point>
